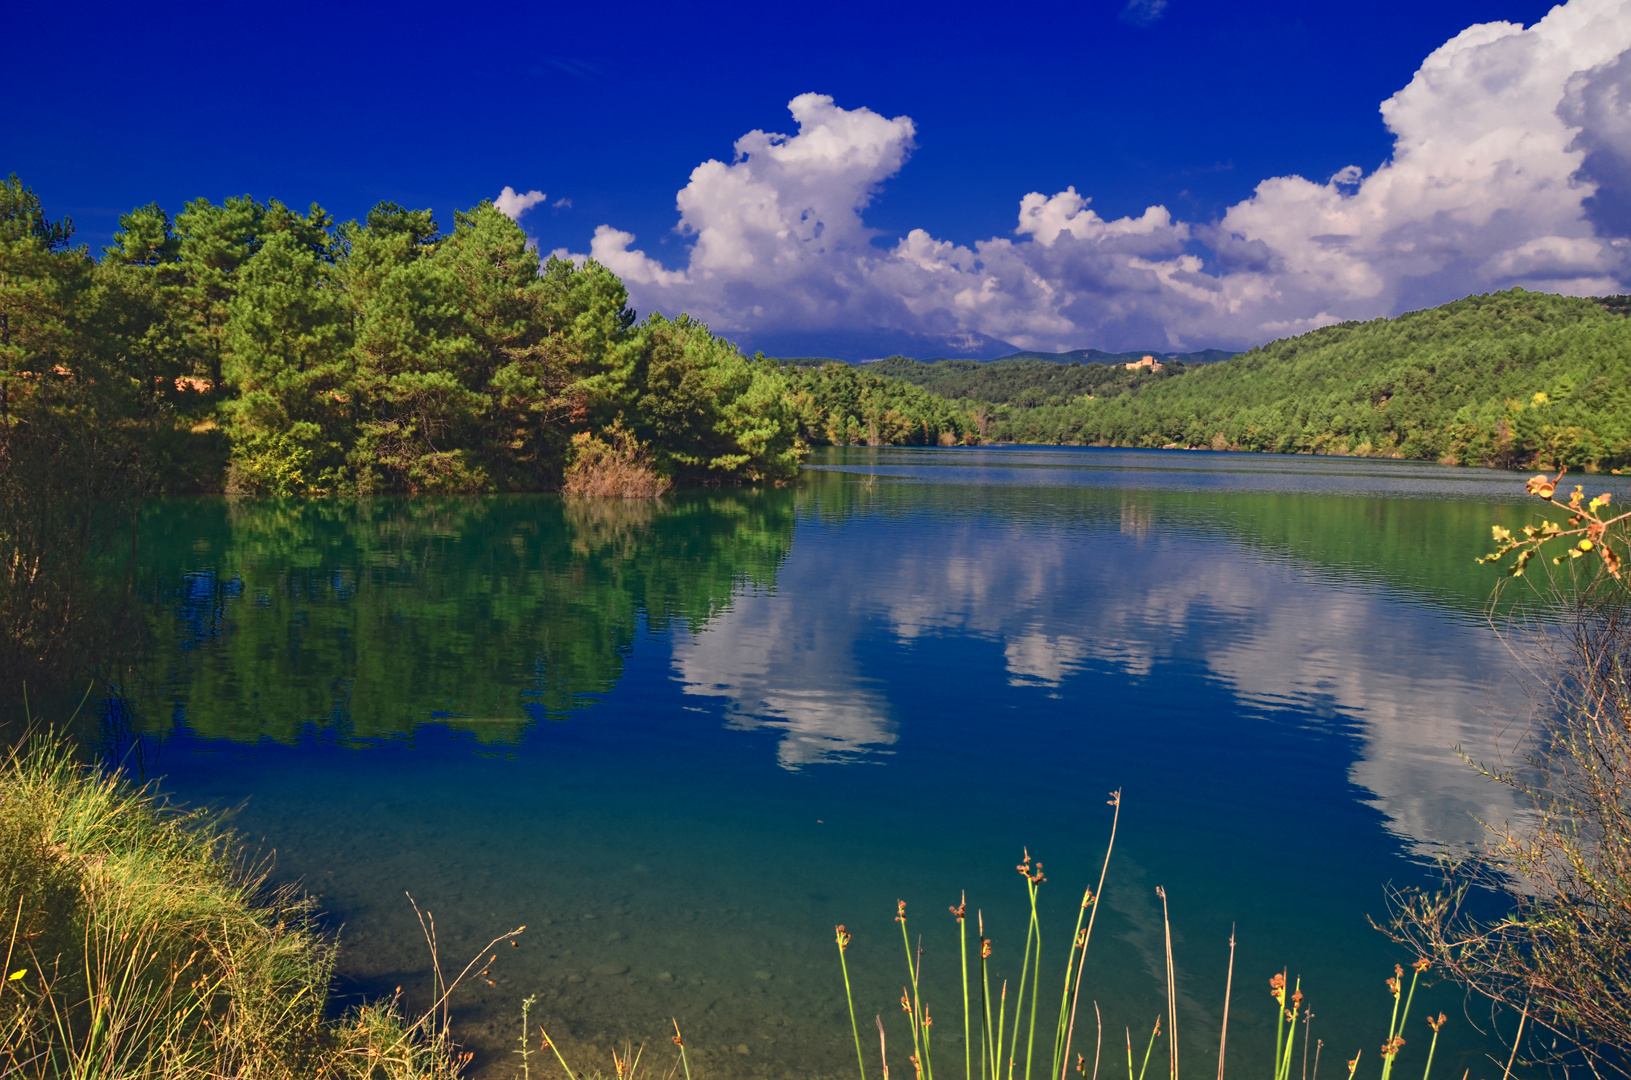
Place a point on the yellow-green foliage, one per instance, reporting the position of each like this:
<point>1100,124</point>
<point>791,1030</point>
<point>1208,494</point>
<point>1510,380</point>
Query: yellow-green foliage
<point>138,944</point>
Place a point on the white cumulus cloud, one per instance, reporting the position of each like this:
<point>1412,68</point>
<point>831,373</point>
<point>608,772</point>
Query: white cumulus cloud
<point>512,203</point>
<point>1511,165</point>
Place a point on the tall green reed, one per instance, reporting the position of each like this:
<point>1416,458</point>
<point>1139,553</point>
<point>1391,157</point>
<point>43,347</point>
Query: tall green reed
<point>1001,1029</point>
<point>843,947</point>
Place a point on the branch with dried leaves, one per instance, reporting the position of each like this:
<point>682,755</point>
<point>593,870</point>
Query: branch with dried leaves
<point>1588,526</point>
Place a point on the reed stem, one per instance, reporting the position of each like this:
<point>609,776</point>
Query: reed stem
<point>1172,990</point>
<point>962,951</point>
<point>525,1051</point>
<point>1156,1031</point>
<point>679,1041</point>
<point>557,1052</point>
<point>1036,975</point>
<point>988,1053</point>
<point>1228,988</point>
<point>1070,1030</point>
<point>843,944</point>
<point>912,1004</point>
<point>1437,1024</point>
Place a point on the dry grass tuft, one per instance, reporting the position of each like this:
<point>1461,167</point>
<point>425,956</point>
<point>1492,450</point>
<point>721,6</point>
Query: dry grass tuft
<point>613,466</point>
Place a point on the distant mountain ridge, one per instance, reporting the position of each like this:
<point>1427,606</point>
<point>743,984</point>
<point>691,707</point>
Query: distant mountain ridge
<point>1098,356</point>
<point>808,347</point>
<point>863,346</point>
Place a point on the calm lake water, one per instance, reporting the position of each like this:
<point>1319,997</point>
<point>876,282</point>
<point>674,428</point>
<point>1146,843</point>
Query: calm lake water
<point>681,741</point>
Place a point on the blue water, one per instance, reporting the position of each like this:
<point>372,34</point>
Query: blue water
<point>681,743</point>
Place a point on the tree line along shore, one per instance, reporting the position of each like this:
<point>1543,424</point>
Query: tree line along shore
<point>250,348</point>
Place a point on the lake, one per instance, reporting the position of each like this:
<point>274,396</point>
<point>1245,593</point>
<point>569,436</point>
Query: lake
<point>681,741</point>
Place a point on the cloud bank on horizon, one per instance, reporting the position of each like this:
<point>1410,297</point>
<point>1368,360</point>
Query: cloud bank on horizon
<point>1511,166</point>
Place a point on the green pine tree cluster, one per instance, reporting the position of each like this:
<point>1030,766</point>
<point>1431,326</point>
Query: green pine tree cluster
<point>251,347</point>
<point>838,404</point>
<point>1507,379</point>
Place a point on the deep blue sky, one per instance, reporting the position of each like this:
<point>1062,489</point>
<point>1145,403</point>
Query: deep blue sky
<point>613,105</point>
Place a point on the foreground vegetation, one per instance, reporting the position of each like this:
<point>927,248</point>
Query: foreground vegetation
<point>139,943</point>
<point>1560,955</point>
<point>1006,1043</point>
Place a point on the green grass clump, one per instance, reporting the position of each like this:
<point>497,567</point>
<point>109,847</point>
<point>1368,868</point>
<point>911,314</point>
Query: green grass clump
<point>139,943</point>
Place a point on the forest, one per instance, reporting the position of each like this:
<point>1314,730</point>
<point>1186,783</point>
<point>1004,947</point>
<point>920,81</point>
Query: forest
<point>1508,379</point>
<point>249,347</point>
<point>839,404</point>
<point>1021,382</point>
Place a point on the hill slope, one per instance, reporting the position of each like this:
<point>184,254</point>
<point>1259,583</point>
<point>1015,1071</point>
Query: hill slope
<point>1022,381</point>
<point>1509,378</point>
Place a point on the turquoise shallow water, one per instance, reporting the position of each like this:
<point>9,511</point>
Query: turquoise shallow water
<point>681,742</point>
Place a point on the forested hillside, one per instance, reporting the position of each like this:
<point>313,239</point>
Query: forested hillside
<point>1509,379</point>
<point>840,404</point>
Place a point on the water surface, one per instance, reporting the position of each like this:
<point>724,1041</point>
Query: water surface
<point>681,741</point>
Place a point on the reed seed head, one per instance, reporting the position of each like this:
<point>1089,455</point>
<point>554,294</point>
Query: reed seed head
<point>1437,1023</point>
<point>962,908</point>
<point>843,938</point>
<point>1422,965</point>
<point>905,1002</point>
<point>985,948</point>
<point>1392,1047</point>
<point>1157,1033</point>
<point>900,911</point>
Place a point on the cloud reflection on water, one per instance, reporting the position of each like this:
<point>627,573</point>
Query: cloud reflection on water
<point>777,666</point>
<point>1063,602</point>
